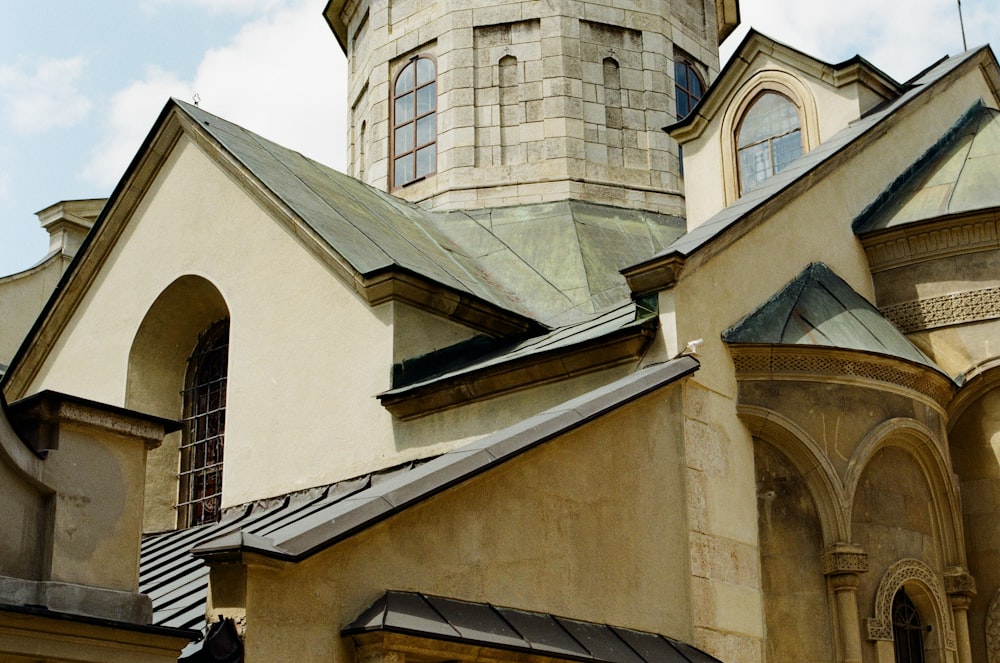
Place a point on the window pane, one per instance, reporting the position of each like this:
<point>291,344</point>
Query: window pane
<point>425,130</point>
<point>404,109</point>
<point>425,70</point>
<point>403,170</point>
<point>755,166</point>
<point>426,160</point>
<point>425,98</point>
<point>404,139</point>
<point>694,85</point>
<point>405,80</point>
<point>683,103</point>
<point>771,115</point>
<point>681,74</point>
<point>787,149</point>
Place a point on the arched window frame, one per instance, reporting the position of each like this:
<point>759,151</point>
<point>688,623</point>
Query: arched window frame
<point>686,95</point>
<point>771,80</point>
<point>418,118</point>
<point>201,462</point>
<point>907,629</point>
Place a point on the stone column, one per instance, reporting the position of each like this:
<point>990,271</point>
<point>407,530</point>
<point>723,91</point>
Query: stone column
<point>843,565</point>
<point>960,587</point>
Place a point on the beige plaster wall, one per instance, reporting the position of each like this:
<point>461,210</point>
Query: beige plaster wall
<point>590,525</point>
<point>290,322</point>
<point>22,297</point>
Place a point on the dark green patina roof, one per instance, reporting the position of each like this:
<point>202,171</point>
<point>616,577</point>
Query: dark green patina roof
<point>819,308</point>
<point>557,263</point>
<point>959,174</point>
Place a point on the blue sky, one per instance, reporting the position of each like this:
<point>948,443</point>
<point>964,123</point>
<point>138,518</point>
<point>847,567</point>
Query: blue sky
<point>82,82</point>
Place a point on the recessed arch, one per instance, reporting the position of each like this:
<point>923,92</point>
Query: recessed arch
<point>157,371</point>
<point>926,591</point>
<point>918,441</point>
<point>809,460</point>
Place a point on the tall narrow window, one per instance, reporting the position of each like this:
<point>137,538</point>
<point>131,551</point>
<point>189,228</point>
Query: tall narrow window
<point>510,111</point>
<point>769,138</point>
<point>414,121</point>
<point>205,418</point>
<point>907,631</point>
<point>688,88</point>
<point>613,113</point>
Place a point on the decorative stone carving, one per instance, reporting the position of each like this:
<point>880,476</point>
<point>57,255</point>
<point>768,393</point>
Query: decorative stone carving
<point>844,558</point>
<point>903,571</point>
<point>957,580</point>
<point>993,630</point>
<point>947,238</point>
<point>946,310</point>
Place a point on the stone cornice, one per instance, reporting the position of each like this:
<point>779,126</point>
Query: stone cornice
<point>821,364</point>
<point>941,238</point>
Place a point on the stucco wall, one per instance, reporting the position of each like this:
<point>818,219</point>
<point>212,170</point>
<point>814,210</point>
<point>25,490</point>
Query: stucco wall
<point>590,525</point>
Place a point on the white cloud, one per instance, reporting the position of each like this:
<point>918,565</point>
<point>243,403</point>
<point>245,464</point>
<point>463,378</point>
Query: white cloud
<point>282,76</point>
<point>248,7</point>
<point>902,37</point>
<point>45,97</point>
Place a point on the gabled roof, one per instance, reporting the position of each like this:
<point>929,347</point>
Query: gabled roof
<point>528,632</point>
<point>820,308</point>
<point>960,174</point>
<point>662,270</point>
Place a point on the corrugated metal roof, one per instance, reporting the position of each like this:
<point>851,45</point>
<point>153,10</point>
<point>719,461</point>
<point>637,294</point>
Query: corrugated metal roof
<point>820,308</point>
<point>510,629</point>
<point>298,525</point>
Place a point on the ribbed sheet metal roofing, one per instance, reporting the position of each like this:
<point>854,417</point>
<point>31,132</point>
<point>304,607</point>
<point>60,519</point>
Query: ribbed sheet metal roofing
<point>299,525</point>
<point>539,633</point>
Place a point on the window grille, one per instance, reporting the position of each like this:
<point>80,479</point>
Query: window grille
<point>414,121</point>
<point>907,631</point>
<point>688,88</point>
<point>204,433</point>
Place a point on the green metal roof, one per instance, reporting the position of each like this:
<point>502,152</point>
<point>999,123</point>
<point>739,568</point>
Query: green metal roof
<point>820,308</point>
<point>557,263</point>
<point>959,174</point>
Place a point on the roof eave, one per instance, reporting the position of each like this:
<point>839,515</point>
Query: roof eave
<point>332,15</point>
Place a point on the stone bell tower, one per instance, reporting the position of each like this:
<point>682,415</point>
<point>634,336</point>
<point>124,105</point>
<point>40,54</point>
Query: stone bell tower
<point>483,103</point>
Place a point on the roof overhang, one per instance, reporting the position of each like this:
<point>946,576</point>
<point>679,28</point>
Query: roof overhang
<point>332,14</point>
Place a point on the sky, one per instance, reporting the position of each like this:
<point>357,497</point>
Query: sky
<point>81,83</point>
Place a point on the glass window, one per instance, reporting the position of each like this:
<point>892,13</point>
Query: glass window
<point>768,139</point>
<point>205,424</point>
<point>414,121</point>
<point>688,88</point>
<point>907,631</point>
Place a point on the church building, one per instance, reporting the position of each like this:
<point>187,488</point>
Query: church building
<point>599,352</point>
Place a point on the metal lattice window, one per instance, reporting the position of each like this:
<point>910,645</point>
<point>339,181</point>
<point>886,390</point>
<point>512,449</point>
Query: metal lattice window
<point>688,87</point>
<point>907,631</point>
<point>205,424</point>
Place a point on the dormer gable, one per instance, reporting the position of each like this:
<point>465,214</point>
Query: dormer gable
<point>794,102</point>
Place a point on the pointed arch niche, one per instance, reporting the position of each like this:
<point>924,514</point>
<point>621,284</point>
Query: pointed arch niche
<point>758,87</point>
<point>157,372</point>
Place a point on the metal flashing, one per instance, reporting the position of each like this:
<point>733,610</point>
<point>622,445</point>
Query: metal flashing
<point>479,624</point>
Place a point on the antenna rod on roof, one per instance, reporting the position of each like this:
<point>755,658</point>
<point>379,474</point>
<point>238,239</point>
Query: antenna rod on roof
<point>961,22</point>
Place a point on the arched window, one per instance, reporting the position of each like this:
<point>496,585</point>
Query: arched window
<point>414,121</point>
<point>907,631</point>
<point>769,138</point>
<point>200,498</point>
<point>688,88</point>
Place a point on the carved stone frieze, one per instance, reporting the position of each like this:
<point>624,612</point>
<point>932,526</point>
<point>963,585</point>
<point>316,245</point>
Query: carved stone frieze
<point>934,312</point>
<point>927,242</point>
<point>899,574</point>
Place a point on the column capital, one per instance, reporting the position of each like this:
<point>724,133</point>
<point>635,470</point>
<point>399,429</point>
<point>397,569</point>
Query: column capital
<point>958,582</point>
<point>844,558</point>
